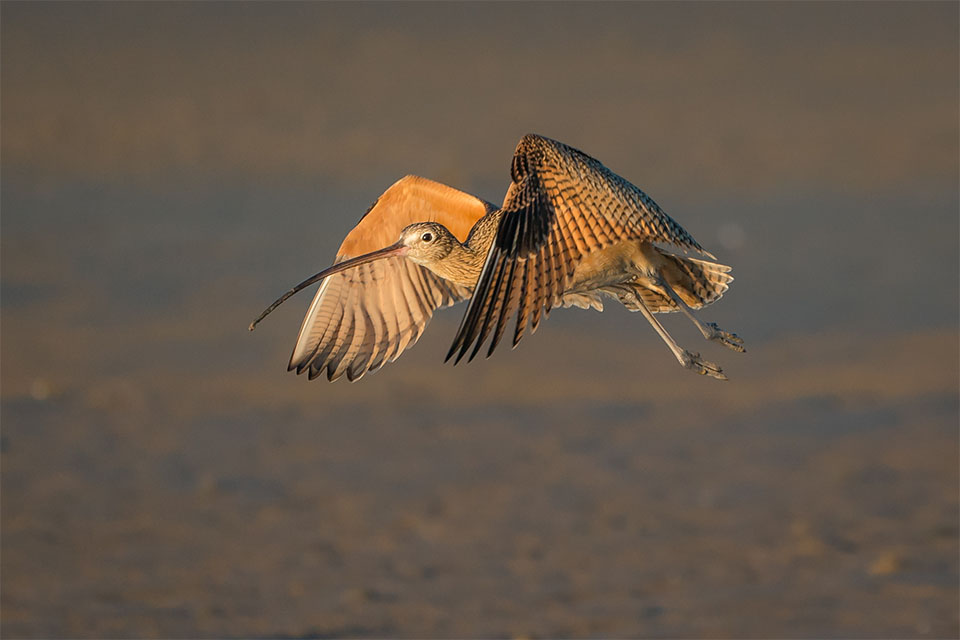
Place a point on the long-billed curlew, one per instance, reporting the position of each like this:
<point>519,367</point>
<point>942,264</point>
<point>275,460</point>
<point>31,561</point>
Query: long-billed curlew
<point>569,230</point>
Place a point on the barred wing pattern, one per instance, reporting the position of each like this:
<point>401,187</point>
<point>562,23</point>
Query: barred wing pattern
<point>368,315</point>
<point>561,205</point>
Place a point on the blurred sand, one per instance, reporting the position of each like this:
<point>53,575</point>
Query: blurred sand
<point>168,169</point>
<point>428,502</point>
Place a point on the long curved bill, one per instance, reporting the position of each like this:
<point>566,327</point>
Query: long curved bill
<point>395,249</point>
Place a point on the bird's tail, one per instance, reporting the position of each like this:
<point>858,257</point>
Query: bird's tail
<point>697,282</point>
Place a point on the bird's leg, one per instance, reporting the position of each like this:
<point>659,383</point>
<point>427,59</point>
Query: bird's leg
<point>688,360</point>
<point>710,330</point>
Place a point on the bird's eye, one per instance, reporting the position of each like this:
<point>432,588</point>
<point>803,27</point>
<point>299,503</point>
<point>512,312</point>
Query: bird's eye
<point>427,237</point>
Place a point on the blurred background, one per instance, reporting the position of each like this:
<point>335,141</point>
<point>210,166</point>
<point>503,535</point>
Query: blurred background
<point>168,169</point>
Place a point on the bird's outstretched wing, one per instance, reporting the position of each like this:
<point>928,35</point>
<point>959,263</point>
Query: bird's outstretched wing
<point>561,205</point>
<point>368,315</point>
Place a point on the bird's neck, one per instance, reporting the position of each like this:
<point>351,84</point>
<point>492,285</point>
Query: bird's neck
<point>461,266</point>
<point>465,261</point>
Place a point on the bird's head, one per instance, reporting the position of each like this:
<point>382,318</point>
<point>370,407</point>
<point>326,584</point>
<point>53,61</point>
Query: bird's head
<point>427,242</point>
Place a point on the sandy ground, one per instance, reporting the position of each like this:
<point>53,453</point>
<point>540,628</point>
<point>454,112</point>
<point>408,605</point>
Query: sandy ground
<point>519,498</point>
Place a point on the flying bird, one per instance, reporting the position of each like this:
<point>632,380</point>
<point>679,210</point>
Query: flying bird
<point>569,233</point>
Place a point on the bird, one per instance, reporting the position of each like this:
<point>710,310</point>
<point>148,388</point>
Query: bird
<point>570,232</point>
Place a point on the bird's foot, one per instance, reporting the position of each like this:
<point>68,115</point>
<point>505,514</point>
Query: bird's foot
<point>694,362</point>
<point>727,339</point>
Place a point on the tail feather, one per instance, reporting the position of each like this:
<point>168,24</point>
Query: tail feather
<point>700,282</point>
<point>697,282</point>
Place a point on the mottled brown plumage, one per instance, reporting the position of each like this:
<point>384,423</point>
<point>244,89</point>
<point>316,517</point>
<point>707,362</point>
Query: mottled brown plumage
<point>569,231</point>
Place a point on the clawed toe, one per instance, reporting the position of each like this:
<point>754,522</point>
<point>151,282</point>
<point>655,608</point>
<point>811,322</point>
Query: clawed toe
<point>727,339</point>
<point>694,362</point>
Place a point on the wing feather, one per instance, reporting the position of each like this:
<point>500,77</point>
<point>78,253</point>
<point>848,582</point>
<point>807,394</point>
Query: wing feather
<point>380,315</point>
<point>352,328</point>
<point>344,337</point>
<point>523,313</point>
<point>394,306</point>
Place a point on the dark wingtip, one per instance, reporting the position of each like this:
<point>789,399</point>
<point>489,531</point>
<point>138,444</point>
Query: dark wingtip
<point>453,348</point>
<point>456,360</point>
